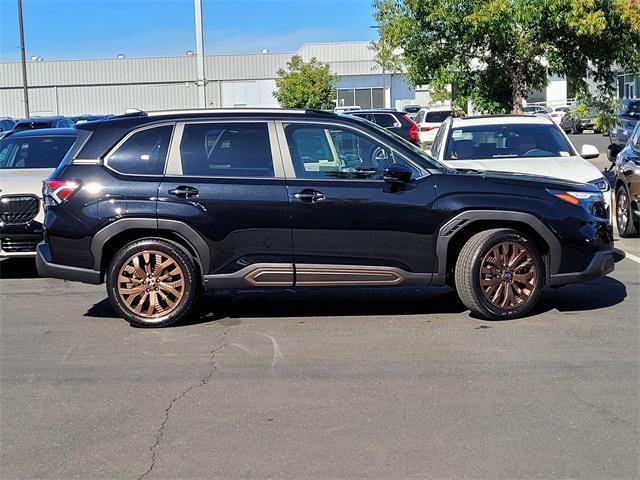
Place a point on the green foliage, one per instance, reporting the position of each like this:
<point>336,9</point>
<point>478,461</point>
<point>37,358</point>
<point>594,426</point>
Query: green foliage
<point>495,51</point>
<point>306,85</point>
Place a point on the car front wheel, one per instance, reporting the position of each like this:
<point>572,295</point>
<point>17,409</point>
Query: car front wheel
<point>499,274</point>
<point>152,283</point>
<point>624,215</point>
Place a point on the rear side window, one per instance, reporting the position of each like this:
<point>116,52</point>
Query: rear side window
<point>34,152</point>
<point>226,150</point>
<point>143,153</point>
<point>385,120</point>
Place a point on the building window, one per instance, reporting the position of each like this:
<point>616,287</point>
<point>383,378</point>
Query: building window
<point>362,97</point>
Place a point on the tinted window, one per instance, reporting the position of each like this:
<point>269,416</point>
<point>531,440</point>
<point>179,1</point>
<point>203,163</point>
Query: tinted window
<point>6,125</point>
<point>143,153</point>
<point>35,152</point>
<point>227,150</point>
<point>336,152</point>
<point>385,120</point>
<point>436,117</point>
<point>32,125</point>
<point>506,141</point>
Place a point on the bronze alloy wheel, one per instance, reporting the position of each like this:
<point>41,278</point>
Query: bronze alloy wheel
<point>508,275</point>
<point>151,284</point>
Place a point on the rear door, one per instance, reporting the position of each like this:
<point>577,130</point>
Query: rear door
<point>225,180</point>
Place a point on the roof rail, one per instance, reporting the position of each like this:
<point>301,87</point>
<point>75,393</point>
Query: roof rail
<point>298,111</point>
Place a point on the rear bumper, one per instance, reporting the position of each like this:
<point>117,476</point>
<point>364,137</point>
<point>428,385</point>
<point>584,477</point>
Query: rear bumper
<point>46,268</point>
<point>601,264</point>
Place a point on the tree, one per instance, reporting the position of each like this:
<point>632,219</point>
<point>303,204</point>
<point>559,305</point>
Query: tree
<point>306,85</point>
<point>494,51</point>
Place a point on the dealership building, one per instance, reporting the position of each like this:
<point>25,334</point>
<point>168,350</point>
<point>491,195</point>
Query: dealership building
<point>75,87</point>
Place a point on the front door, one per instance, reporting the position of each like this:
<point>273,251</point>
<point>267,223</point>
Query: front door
<point>349,226</point>
<point>226,182</point>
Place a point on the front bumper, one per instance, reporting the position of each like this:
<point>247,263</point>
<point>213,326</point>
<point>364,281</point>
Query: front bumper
<point>601,264</point>
<point>46,268</point>
<point>20,240</point>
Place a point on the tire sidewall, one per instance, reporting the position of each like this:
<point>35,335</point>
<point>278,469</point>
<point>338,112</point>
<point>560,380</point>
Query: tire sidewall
<point>492,310</point>
<point>179,256</point>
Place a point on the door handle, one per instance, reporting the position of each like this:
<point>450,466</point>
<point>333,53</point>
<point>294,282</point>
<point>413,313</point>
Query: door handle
<point>309,195</point>
<point>184,191</point>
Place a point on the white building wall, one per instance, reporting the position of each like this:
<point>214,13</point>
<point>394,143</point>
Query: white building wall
<point>251,93</point>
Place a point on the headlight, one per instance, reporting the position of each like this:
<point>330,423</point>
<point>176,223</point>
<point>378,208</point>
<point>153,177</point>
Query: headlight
<point>592,202</point>
<point>602,184</point>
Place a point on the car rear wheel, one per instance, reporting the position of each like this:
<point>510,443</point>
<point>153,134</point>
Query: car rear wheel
<point>152,283</point>
<point>624,215</point>
<point>499,274</point>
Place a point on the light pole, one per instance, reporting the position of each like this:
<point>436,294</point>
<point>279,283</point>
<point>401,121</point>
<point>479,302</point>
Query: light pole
<point>24,62</point>
<point>201,81</point>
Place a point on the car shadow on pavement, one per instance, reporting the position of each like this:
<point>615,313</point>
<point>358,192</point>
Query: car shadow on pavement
<point>349,301</point>
<point>18,268</point>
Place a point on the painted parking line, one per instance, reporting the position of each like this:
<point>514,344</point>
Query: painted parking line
<point>631,257</point>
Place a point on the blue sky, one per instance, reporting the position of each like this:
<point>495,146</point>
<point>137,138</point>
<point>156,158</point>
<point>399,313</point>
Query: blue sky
<point>79,29</point>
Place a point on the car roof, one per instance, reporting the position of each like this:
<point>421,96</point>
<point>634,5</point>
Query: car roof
<point>378,110</point>
<point>502,120</point>
<point>43,132</point>
<point>40,119</point>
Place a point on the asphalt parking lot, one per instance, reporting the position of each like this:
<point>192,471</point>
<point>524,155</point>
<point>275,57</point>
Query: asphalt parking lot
<point>350,383</point>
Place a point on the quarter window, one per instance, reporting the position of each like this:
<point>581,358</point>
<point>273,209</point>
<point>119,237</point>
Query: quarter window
<point>144,153</point>
<point>338,153</point>
<point>226,150</point>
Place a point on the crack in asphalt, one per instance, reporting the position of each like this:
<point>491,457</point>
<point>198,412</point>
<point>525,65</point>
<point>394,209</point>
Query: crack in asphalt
<point>212,368</point>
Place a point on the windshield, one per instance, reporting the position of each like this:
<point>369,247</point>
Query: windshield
<point>427,160</point>
<point>506,141</point>
<point>33,152</point>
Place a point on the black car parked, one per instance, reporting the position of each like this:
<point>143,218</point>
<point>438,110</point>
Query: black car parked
<point>43,122</point>
<point>393,120</point>
<point>162,205</point>
<point>627,120</point>
<point>571,123</point>
<point>627,187</point>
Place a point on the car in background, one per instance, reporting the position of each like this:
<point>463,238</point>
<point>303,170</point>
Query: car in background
<point>393,120</point>
<point>627,186</point>
<point>535,109</point>
<point>429,120</point>
<point>26,158</point>
<point>628,118</point>
<point>411,111</point>
<point>87,118</point>
<point>35,123</point>
<point>6,125</point>
<point>524,144</point>
<point>557,113</point>
<point>346,109</point>
<point>572,123</point>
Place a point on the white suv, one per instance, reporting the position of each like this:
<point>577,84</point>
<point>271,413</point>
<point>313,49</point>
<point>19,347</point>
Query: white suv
<point>532,145</point>
<point>26,158</point>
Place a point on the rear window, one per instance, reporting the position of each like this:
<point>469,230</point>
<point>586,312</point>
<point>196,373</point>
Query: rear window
<point>143,153</point>
<point>506,141</point>
<point>436,117</point>
<point>34,152</point>
<point>32,125</point>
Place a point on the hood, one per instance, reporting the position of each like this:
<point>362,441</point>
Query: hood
<point>19,181</point>
<point>568,169</point>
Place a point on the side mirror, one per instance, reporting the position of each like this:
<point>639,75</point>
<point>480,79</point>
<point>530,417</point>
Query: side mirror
<point>589,151</point>
<point>397,174</point>
<point>612,152</point>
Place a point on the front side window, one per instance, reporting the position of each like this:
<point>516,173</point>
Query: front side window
<point>506,141</point>
<point>323,151</point>
<point>35,152</point>
<point>143,153</point>
<point>226,150</point>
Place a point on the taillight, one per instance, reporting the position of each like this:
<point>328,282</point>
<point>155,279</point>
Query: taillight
<point>59,190</point>
<point>556,115</point>
<point>413,129</point>
<point>426,129</point>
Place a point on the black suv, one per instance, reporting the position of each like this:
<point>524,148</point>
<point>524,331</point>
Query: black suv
<point>163,205</point>
<point>627,186</point>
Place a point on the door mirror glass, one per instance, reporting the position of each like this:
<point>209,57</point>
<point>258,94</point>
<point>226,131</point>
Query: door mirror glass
<point>397,174</point>
<point>589,151</point>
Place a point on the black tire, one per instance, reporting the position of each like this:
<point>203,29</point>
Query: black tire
<point>627,226</point>
<point>173,289</point>
<point>476,252</point>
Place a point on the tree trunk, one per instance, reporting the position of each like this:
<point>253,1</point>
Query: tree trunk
<point>517,95</point>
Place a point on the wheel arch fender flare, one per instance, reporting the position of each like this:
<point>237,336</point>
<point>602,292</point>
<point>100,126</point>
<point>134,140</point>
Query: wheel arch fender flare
<point>181,229</point>
<point>462,220</point>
